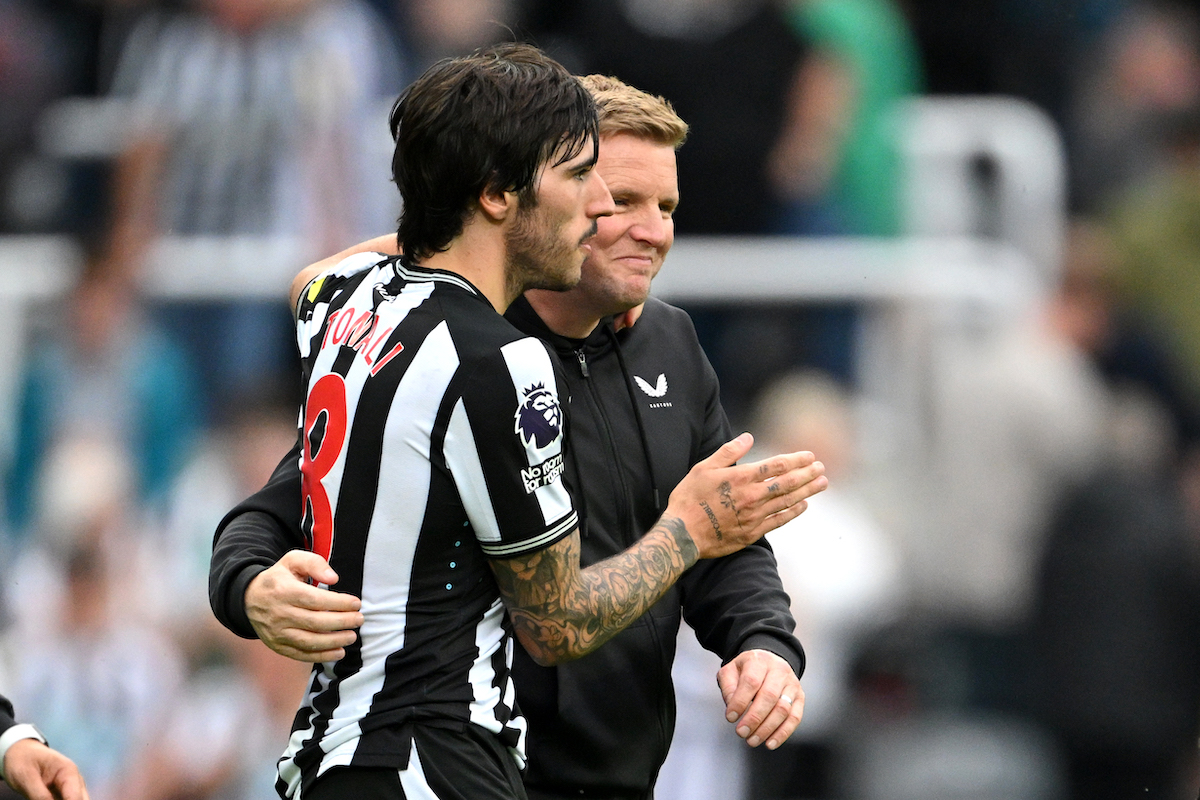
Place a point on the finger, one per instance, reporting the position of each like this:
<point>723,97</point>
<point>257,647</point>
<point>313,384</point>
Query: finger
<point>778,465</point>
<point>320,622</point>
<point>781,721</point>
<point>325,600</point>
<point>306,566</point>
<point>787,727</point>
<point>763,711</point>
<point>310,649</point>
<point>727,681</point>
<point>775,505</point>
<point>728,454</point>
<point>312,641</point>
<point>806,481</point>
<point>785,492</point>
<point>70,785</point>
<point>749,682</point>
<point>310,657</point>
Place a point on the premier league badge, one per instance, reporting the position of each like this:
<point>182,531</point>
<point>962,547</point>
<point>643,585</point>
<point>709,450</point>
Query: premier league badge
<point>539,418</point>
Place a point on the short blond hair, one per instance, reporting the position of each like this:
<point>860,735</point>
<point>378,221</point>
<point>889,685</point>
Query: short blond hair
<point>624,109</point>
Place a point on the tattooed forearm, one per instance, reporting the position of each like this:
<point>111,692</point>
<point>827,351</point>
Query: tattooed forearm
<point>560,612</point>
<point>713,519</point>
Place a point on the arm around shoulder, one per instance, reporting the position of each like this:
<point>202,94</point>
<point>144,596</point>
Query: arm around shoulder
<point>386,244</point>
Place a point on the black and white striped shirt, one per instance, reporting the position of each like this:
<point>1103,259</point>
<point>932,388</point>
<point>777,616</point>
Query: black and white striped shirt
<point>432,440</point>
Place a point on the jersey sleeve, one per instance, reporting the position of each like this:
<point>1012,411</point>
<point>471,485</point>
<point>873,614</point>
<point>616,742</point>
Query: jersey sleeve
<point>313,303</point>
<point>505,449</point>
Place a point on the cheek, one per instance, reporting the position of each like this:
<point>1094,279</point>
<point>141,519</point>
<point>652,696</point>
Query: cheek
<point>608,231</point>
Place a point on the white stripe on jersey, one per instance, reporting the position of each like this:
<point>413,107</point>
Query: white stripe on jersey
<point>417,274</point>
<point>412,778</point>
<point>463,460</point>
<point>566,525</point>
<point>518,722</point>
<point>529,365</point>
<point>489,637</point>
<point>288,771</point>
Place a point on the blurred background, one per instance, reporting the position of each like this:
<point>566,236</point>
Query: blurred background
<point>952,247</point>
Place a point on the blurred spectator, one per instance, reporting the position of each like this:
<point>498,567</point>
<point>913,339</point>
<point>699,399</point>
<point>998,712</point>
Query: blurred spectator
<point>40,60</point>
<point>1132,351</point>
<point>99,684</point>
<point>439,29</point>
<point>726,66</point>
<point>1154,226</point>
<point>224,729</point>
<point>837,163</point>
<point>841,569</point>
<point>1025,48</point>
<point>1117,628</point>
<point>1130,89</point>
<point>102,372</point>
<point>260,118</point>
<point>1017,420</point>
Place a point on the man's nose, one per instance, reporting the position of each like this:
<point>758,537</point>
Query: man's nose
<point>600,200</point>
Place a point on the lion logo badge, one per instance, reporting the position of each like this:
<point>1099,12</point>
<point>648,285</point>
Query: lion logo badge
<point>539,418</point>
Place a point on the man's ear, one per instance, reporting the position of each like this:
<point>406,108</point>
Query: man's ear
<point>496,204</point>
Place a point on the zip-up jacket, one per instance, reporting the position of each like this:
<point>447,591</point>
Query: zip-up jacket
<point>644,408</point>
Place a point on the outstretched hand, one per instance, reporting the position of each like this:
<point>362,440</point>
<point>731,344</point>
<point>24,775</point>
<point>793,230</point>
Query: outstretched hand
<point>726,506</point>
<point>762,696</point>
<point>40,773</point>
<point>298,619</point>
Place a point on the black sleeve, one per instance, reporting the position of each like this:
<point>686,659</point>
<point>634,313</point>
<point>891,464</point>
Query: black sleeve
<point>7,714</point>
<point>737,603</point>
<point>254,535</point>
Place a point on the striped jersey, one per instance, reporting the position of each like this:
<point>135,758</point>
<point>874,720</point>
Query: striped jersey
<point>432,439</point>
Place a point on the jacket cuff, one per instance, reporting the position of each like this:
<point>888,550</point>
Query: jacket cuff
<point>791,652</point>
<point>239,620</point>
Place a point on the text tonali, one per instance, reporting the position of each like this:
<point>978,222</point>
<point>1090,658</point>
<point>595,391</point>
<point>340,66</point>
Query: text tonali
<point>348,327</point>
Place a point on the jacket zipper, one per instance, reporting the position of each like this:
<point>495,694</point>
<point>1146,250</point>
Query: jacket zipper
<point>625,510</point>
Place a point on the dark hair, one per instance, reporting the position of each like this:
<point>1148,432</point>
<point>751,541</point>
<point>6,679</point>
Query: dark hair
<point>484,121</point>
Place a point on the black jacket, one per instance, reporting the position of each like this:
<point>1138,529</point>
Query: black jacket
<point>602,723</point>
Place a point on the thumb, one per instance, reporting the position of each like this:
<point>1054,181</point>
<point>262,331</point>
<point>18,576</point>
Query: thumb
<point>305,565</point>
<point>728,454</point>
<point>727,678</point>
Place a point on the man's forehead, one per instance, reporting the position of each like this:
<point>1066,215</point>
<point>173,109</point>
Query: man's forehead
<point>630,158</point>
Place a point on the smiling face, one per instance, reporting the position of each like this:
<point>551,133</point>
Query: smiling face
<point>545,244</point>
<point>630,245</point>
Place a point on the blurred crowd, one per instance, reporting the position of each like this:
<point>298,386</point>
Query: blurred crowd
<point>1016,614</point>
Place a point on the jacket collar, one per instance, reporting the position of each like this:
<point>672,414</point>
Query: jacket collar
<point>522,315</point>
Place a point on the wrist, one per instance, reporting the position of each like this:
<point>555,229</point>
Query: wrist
<point>13,735</point>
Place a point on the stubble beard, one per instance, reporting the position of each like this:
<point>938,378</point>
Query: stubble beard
<point>537,255</point>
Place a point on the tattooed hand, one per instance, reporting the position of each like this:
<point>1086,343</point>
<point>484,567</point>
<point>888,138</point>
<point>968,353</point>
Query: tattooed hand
<point>726,506</point>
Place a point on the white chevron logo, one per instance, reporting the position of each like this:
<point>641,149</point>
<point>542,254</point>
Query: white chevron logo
<point>657,390</point>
